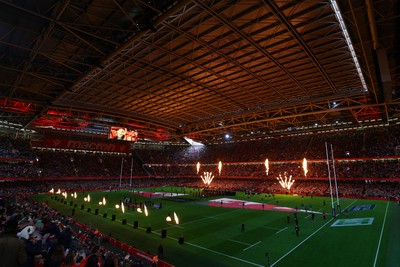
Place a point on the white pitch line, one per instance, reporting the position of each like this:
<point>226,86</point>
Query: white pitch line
<point>290,251</point>
<point>206,218</point>
<point>216,252</point>
<point>200,247</point>
<point>301,243</point>
<point>239,242</point>
<point>281,230</point>
<point>226,255</point>
<point>252,246</point>
<point>318,211</point>
<point>380,238</point>
<point>273,228</point>
<point>199,220</point>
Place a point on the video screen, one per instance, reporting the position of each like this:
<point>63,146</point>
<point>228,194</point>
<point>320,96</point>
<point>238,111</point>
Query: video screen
<point>121,133</point>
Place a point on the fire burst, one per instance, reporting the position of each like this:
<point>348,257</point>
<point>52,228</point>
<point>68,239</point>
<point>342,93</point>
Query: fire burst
<point>198,167</point>
<point>287,182</point>
<point>305,166</point>
<point>266,166</point>
<point>207,178</point>
<point>176,218</point>
<point>219,167</point>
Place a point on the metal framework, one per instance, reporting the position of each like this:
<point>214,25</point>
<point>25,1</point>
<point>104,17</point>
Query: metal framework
<point>198,68</point>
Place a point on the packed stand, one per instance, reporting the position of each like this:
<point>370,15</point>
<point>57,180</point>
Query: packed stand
<point>34,235</point>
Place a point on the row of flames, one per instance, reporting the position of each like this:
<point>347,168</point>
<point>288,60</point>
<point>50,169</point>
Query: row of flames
<point>266,163</point>
<point>285,182</point>
<point>117,206</point>
<point>208,176</point>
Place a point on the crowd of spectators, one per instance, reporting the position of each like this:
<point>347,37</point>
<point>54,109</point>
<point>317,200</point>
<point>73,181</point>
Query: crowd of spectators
<point>344,169</point>
<point>368,143</point>
<point>76,164</point>
<point>34,235</point>
<point>15,148</point>
<point>367,154</point>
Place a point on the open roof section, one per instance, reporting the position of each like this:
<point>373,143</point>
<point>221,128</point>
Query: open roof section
<point>198,68</point>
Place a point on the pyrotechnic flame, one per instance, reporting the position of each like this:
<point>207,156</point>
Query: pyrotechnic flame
<point>207,178</point>
<point>65,195</point>
<point>198,167</point>
<point>88,198</point>
<point>122,207</point>
<point>145,211</point>
<point>75,195</point>
<point>100,203</point>
<point>219,167</point>
<point>58,191</point>
<point>117,206</point>
<point>104,200</point>
<point>168,219</point>
<point>51,190</point>
<point>287,182</point>
<point>176,218</point>
<point>139,210</point>
<point>72,194</point>
<point>85,199</point>
<point>305,166</point>
<point>266,166</point>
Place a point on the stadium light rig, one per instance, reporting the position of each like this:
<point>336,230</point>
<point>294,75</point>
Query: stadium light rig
<point>349,43</point>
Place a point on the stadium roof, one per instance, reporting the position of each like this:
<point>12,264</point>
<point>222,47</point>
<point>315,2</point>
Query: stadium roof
<point>201,69</point>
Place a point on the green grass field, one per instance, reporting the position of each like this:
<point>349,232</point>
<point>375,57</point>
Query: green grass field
<point>213,235</point>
